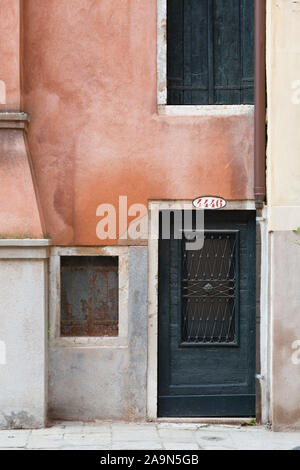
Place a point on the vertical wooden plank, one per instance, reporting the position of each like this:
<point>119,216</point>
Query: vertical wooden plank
<point>227,51</point>
<point>163,313</point>
<point>187,51</point>
<point>247,51</point>
<point>175,72</point>
<point>210,47</point>
<point>199,52</point>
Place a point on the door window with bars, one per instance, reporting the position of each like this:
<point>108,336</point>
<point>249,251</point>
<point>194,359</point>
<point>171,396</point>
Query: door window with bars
<point>210,52</point>
<point>210,291</point>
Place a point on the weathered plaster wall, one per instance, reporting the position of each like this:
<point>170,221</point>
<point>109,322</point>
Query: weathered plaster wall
<point>95,134</point>
<point>23,336</point>
<point>285,303</point>
<point>283,65</point>
<point>10,55</point>
<point>89,382</point>
<point>20,214</point>
<point>19,210</point>
<point>23,278</point>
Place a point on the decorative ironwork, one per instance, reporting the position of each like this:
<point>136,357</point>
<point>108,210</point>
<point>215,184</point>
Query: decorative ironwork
<point>209,290</point>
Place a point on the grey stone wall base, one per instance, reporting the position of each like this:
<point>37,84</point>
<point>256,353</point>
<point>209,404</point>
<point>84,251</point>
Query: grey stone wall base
<point>23,293</point>
<point>98,382</point>
<point>22,419</point>
<point>285,305</point>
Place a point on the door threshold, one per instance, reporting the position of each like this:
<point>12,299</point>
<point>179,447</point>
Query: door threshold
<point>224,421</point>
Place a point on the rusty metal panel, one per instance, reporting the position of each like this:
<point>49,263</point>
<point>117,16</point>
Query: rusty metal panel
<point>89,296</point>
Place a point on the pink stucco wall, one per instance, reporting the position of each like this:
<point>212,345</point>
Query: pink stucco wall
<point>10,55</point>
<point>90,88</point>
<point>19,208</point>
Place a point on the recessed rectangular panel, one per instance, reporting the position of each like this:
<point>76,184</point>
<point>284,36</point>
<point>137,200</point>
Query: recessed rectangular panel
<point>89,296</point>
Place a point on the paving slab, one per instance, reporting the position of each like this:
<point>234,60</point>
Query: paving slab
<point>147,445</point>
<point>95,428</point>
<point>177,435</point>
<point>14,439</point>
<point>135,435</point>
<point>45,442</point>
<point>148,436</point>
<point>88,439</point>
<point>189,426</point>
<point>180,446</point>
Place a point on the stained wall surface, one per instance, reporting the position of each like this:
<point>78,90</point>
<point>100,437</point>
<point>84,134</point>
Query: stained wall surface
<point>20,215</point>
<point>285,303</point>
<point>90,87</point>
<point>283,62</point>
<point>10,74</point>
<point>87,383</point>
<point>23,337</point>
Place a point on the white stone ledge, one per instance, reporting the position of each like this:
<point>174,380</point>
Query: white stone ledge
<point>13,116</point>
<point>81,342</point>
<point>24,249</point>
<point>21,242</point>
<point>206,110</point>
<point>11,120</point>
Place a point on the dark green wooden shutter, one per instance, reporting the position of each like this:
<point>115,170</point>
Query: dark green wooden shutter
<point>210,51</point>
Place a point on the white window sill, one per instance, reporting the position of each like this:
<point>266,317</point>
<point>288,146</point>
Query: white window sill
<point>117,342</point>
<point>209,110</point>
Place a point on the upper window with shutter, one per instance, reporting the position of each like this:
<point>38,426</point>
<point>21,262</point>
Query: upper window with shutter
<point>210,52</point>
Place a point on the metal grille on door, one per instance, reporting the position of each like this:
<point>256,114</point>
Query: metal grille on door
<point>210,291</point>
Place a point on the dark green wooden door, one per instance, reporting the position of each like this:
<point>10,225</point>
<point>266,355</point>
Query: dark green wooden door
<point>207,318</point>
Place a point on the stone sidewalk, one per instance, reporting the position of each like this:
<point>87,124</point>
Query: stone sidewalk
<point>149,436</point>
